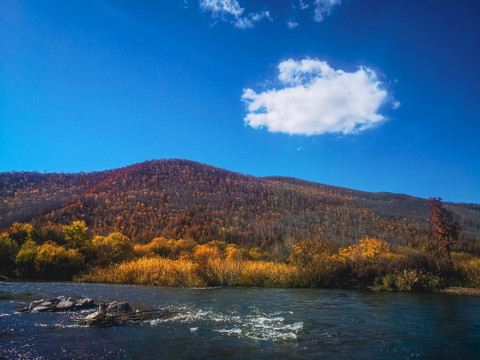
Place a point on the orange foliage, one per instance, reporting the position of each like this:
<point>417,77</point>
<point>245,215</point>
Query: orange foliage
<point>146,271</point>
<point>367,248</point>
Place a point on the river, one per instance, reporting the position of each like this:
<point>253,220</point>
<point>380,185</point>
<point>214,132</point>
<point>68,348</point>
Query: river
<point>250,323</point>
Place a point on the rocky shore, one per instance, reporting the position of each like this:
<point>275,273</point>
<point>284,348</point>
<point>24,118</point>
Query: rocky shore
<point>462,291</point>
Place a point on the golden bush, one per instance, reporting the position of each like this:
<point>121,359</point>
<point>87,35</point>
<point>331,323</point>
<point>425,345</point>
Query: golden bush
<point>367,248</point>
<point>147,271</point>
<point>57,262</point>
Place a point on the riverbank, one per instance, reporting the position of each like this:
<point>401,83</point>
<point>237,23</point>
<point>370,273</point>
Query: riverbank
<point>461,291</point>
<point>367,263</point>
<point>454,290</point>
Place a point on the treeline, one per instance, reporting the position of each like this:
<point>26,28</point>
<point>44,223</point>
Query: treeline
<point>180,199</point>
<point>56,252</point>
<point>70,251</point>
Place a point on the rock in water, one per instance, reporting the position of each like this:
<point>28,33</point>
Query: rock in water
<point>118,307</point>
<point>66,305</point>
<point>98,315</point>
<point>33,305</point>
<point>42,308</point>
<point>60,303</point>
<point>116,312</point>
<point>84,303</point>
<point>120,312</point>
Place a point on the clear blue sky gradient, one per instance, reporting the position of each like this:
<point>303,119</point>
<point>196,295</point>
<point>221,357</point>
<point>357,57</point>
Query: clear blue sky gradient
<point>93,85</point>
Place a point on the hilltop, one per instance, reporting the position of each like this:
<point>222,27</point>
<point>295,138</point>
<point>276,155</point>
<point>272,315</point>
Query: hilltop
<point>185,199</point>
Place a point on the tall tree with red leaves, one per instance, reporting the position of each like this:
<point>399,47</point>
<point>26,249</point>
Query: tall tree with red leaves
<point>445,229</point>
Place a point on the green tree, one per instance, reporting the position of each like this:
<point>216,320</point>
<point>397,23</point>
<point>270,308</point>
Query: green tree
<point>50,232</point>
<point>57,262</point>
<point>115,247</point>
<point>76,235</point>
<point>21,233</point>
<point>25,260</point>
<point>8,252</point>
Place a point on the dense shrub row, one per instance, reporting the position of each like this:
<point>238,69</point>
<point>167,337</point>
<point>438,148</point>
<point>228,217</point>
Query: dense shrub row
<point>57,253</point>
<point>66,252</point>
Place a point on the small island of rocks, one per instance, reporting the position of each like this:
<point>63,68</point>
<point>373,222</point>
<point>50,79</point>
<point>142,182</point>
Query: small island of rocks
<point>113,313</point>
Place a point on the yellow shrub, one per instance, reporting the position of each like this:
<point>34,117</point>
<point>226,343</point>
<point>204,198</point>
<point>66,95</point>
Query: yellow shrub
<point>25,259</point>
<point>367,248</point>
<point>317,264</point>
<point>173,249</point>
<point>214,269</point>
<point>219,245</point>
<point>8,252</point>
<point>470,268</point>
<point>115,247</point>
<point>21,233</point>
<point>141,251</point>
<point>147,271</point>
<point>182,248</point>
<point>256,254</point>
<point>75,235</point>
<point>160,246</point>
<point>57,262</point>
<point>269,274</point>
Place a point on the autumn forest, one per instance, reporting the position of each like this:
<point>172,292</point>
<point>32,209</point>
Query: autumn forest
<point>181,223</point>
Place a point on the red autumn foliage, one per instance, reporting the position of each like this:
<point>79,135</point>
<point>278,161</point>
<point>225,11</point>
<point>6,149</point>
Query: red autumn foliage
<point>445,229</point>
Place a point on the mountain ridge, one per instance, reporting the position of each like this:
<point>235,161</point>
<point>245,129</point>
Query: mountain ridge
<point>268,177</point>
<point>182,198</point>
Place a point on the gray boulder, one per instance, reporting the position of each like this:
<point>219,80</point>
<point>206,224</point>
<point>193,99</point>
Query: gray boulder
<point>42,308</point>
<point>60,303</point>
<point>34,304</point>
<point>84,303</point>
<point>102,318</point>
<point>66,305</point>
<point>118,307</point>
<point>48,303</point>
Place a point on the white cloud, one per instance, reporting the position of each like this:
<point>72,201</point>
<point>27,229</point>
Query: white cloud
<point>291,24</point>
<point>222,7</point>
<point>231,11</point>
<point>302,5</point>
<point>323,8</point>
<point>315,99</point>
<point>248,22</point>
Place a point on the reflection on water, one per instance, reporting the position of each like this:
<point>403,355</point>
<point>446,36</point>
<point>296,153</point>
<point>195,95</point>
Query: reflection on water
<point>244,323</point>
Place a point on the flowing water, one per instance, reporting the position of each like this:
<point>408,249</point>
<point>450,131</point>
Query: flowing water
<point>235,323</point>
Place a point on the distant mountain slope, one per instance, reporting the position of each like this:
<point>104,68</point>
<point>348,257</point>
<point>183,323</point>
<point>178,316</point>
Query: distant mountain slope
<point>22,194</point>
<point>181,198</point>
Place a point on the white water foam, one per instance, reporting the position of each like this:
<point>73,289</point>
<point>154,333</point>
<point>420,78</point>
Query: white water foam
<point>41,325</point>
<point>258,325</point>
<point>234,331</point>
<point>69,326</point>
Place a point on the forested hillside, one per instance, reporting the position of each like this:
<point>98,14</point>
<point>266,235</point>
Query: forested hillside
<point>23,194</point>
<point>184,199</point>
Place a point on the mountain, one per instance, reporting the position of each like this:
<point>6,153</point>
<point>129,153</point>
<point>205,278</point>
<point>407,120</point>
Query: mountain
<point>185,199</point>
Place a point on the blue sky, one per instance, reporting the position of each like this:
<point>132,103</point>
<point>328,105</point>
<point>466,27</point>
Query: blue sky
<point>370,95</point>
